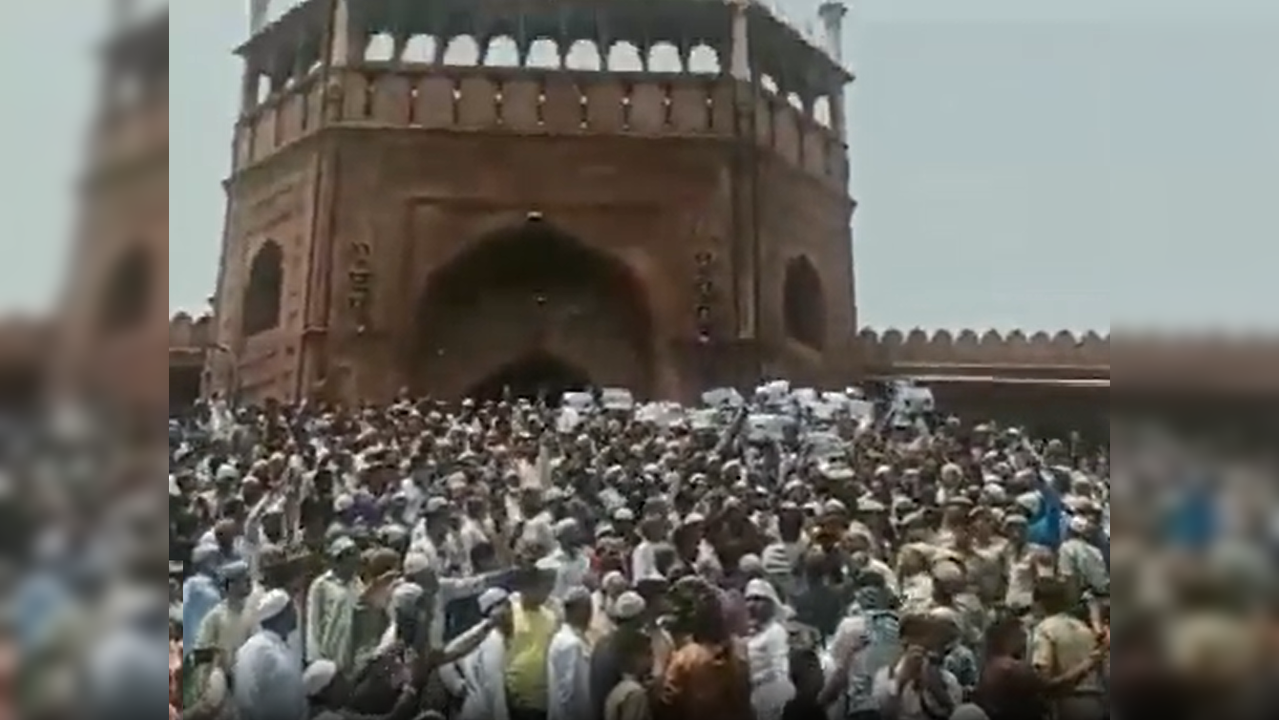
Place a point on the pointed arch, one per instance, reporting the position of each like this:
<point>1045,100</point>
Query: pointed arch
<point>531,290</point>
<point>804,304</point>
<point>128,292</point>
<point>264,293</point>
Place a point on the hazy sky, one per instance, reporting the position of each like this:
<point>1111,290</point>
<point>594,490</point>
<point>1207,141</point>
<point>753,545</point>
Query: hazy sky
<point>1020,163</point>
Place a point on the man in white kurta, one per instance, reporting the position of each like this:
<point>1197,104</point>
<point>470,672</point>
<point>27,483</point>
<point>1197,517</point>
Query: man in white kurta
<point>269,681</point>
<point>569,660</point>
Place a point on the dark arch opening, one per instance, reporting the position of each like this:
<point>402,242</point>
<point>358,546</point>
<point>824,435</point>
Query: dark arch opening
<point>539,267</point>
<point>264,291</point>
<point>184,387</point>
<point>534,376</point>
<point>804,304</point>
<point>128,292</point>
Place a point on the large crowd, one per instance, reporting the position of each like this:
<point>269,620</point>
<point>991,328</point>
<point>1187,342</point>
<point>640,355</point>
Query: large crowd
<point>784,556</point>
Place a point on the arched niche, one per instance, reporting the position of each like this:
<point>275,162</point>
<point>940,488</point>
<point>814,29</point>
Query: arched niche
<point>804,304</point>
<point>530,301</point>
<point>264,292</point>
<point>128,292</point>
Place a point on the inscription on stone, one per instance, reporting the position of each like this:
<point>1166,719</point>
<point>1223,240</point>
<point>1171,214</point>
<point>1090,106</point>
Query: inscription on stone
<point>360,279</point>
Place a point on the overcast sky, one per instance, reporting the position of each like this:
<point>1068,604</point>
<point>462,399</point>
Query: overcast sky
<point>1039,164</point>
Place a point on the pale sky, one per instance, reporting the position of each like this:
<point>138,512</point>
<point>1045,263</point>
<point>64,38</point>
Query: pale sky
<point>1037,164</point>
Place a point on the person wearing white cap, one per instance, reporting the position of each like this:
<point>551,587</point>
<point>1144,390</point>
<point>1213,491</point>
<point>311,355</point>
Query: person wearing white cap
<point>231,623</point>
<point>331,606</point>
<point>406,612</point>
<point>200,594</point>
<point>644,558</point>
<point>444,590</point>
<point>628,615</point>
<point>610,589</point>
<point>269,681</point>
<point>478,679</point>
<point>569,658</point>
<point>1080,561</point>
<point>570,554</point>
<point>768,649</point>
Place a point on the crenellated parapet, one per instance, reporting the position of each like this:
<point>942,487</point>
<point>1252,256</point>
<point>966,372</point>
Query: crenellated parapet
<point>190,338</point>
<point>1151,361</point>
<point>1088,354</point>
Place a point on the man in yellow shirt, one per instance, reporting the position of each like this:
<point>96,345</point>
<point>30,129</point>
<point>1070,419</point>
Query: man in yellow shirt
<point>535,625</point>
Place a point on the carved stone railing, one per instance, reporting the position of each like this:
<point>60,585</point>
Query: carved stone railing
<point>533,101</point>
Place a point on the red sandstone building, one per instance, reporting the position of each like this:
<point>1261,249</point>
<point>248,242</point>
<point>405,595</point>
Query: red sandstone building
<point>456,196</point>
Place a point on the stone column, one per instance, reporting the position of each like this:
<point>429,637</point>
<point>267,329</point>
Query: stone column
<point>348,43</point>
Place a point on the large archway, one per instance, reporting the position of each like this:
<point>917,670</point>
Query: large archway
<point>804,304</point>
<point>531,307</point>
<point>263,294</point>
<point>128,292</point>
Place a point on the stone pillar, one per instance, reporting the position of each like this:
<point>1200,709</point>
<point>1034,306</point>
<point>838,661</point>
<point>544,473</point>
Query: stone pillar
<point>348,45</point>
<point>832,15</point>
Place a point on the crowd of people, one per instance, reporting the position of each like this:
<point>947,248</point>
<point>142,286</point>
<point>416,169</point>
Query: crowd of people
<point>788,556</point>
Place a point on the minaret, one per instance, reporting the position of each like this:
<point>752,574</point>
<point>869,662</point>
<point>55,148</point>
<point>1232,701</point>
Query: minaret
<point>832,14</point>
<point>258,10</point>
<point>123,12</point>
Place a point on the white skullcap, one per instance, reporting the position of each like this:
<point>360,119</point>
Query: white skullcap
<point>614,581</point>
<point>343,503</point>
<point>577,594</point>
<point>762,590</point>
<point>969,712</point>
<point>1030,502</point>
<point>629,606</point>
<point>750,563</point>
<point>405,595</point>
<point>549,565</point>
<point>948,571</point>
<point>341,547</point>
<point>491,599</point>
<point>272,605</point>
<point>871,505</point>
<point>319,677</point>
<point>416,563</point>
<point>1079,525</point>
<point>946,615</point>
